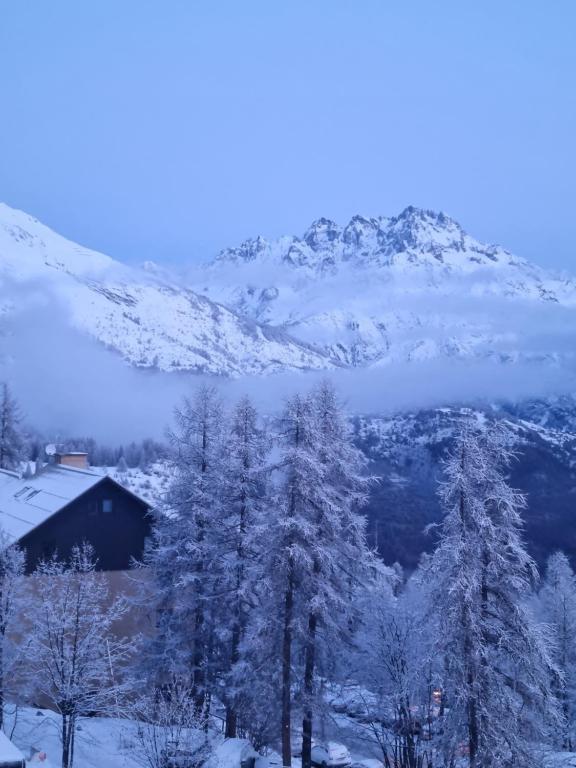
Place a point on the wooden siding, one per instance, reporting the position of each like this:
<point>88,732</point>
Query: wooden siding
<point>108,516</point>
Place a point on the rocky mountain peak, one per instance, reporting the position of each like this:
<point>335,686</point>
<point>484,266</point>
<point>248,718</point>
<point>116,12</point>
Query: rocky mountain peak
<point>361,232</point>
<point>247,251</point>
<point>417,229</point>
<point>321,234</point>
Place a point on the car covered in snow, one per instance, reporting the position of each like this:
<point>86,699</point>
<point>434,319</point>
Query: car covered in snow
<point>273,760</point>
<point>331,755</point>
<point>177,756</point>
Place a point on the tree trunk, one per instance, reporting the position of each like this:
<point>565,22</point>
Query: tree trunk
<point>231,724</point>
<point>65,742</point>
<point>198,682</point>
<point>472,730</point>
<point>1,682</point>
<point>4,622</point>
<point>287,675</point>
<point>72,740</point>
<point>238,628</point>
<point>472,712</point>
<point>199,654</point>
<point>308,692</point>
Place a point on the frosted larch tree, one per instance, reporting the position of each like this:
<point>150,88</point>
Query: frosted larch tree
<point>11,439</point>
<point>498,665</point>
<point>241,539</point>
<point>12,562</point>
<point>338,559</point>
<point>557,599</point>
<point>184,555</point>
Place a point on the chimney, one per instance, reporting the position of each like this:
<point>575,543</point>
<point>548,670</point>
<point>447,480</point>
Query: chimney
<point>76,459</point>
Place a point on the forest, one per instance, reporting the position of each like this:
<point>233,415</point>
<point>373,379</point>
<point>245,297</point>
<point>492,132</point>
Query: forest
<point>276,622</point>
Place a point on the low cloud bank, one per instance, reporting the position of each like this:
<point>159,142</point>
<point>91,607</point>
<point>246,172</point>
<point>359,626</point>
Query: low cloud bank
<point>69,384</point>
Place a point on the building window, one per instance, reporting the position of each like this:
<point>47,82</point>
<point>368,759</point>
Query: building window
<point>107,505</point>
<point>48,549</point>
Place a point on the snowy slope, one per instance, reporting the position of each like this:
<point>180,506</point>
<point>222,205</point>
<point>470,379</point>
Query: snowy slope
<point>147,319</point>
<point>379,290</point>
<point>407,451</point>
<point>376,291</point>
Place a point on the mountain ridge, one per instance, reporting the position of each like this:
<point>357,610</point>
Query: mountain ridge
<point>373,292</point>
<point>370,292</point>
<point>151,321</point>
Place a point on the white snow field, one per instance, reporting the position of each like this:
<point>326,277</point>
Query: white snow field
<point>100,742</point>
<point>374,292</point>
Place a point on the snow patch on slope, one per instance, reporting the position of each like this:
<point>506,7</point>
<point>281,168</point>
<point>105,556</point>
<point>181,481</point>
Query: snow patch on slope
<point>383,290</point>
<point>140,314</point>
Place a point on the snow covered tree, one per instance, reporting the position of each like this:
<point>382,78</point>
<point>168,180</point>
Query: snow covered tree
<point>396,669</point>
<point>245,496</point>
<point>184,557</point>
<point>168,727</point>
<point>557,600</point>
<point>75,659</point>
<point>337,556</point>
<point>11,439</point>
<point>11,572</point>
<point>122,466</point>
<point>497,660</point>
<point>315,552</point>
<point>290,543</point>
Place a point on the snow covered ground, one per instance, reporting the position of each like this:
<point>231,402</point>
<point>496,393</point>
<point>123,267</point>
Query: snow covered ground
<point>150,485</point>
<point>111,743</point>
<point>560,760</point>
<point>100,742</point>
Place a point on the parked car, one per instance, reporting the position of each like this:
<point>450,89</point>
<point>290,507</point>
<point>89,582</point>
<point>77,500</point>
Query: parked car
<point>273,760</point>
<point>182,757</point>
<point>296,744</point>
<point>248,756</point>
<point>331,755</point>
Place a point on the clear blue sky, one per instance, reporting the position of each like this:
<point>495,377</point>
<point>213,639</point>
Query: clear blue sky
<point>166,129</point>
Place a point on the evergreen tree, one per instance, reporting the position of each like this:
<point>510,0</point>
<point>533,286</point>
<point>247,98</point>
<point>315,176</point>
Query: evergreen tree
<point>183,555</point>
<point>497,661</point>
<point>338,557</point>
<point>290,544</point>
<point>314,555</point>
<point>246,486</point>
<point>11,572</point>
<point>558,604</point>
<point>12,450</point>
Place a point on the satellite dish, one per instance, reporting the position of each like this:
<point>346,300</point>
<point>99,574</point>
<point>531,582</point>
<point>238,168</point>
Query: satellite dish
<point>50,450</point>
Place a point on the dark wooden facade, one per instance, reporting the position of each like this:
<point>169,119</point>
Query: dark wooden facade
<point>108,516</point>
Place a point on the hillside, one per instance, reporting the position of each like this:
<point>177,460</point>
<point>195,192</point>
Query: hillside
<point>383,290</point>
<point>406,451</point>
<point>149,321</point>
<point>375,292</point>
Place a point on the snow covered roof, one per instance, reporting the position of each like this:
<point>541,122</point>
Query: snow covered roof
<point>25,503</point>
<point>9,754</point>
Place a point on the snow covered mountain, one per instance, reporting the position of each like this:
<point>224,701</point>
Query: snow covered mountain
<point>407,450</point>
<point>380,290</point>
<point>377,291</point>
<point>143,315</point>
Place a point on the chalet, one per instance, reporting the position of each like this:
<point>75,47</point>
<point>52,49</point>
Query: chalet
<point>65,503</point>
